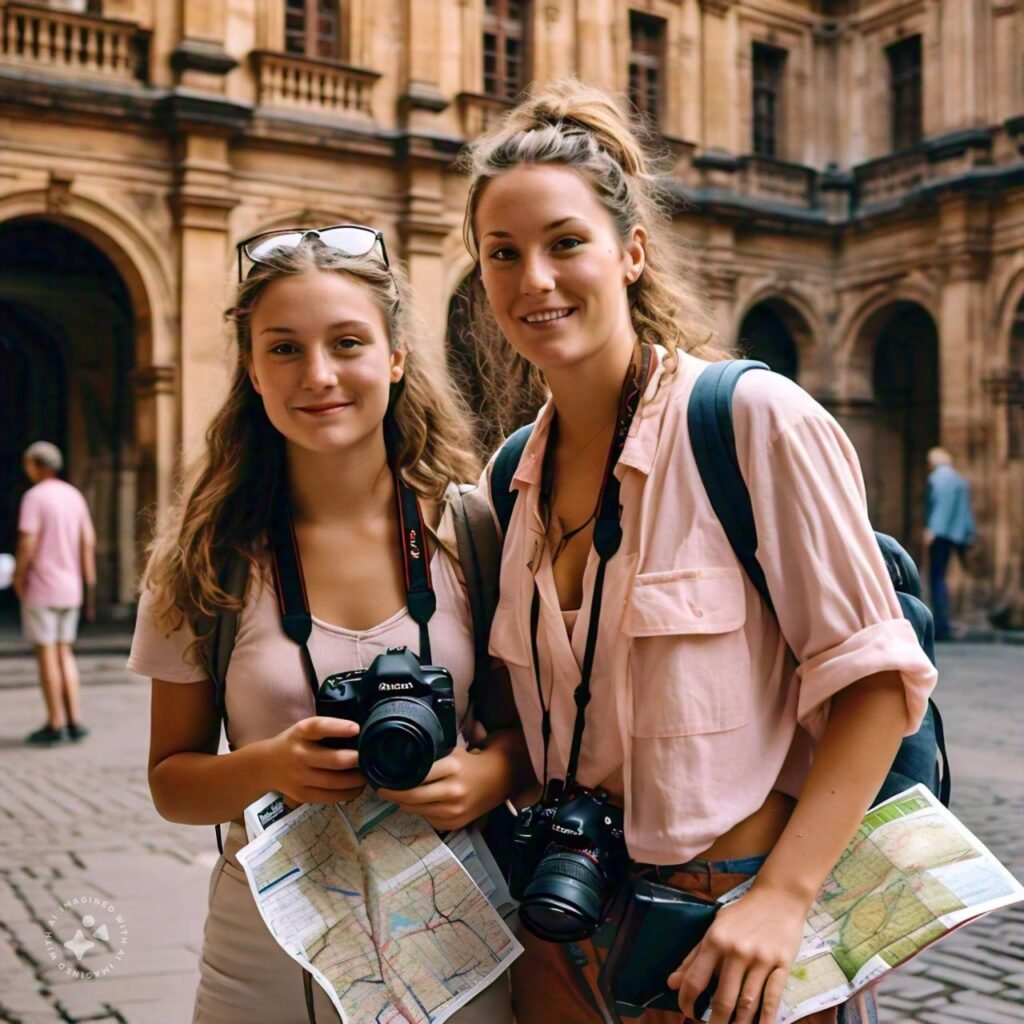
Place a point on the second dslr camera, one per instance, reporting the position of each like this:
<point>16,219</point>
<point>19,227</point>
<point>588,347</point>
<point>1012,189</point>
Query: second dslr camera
<point>406,715</point>
<point>568,860</point>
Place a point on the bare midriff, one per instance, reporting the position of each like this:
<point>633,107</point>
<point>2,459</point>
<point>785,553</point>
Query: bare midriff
<point>753,836</point>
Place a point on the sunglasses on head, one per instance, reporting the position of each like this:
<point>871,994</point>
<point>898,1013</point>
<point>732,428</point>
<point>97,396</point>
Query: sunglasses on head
<point>348,239</point>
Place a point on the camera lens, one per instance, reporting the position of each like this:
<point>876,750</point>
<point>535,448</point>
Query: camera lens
<point>398,743</point>
<point>564,899</point>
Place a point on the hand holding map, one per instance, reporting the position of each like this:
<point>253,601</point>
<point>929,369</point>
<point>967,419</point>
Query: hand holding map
<point>380,911</point>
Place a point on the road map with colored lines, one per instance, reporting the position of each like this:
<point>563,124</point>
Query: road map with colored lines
<point>910,875</point>
<point>385,916</point>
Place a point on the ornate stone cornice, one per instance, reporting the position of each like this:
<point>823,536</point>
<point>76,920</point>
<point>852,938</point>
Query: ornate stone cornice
<point>198,55</point>
<point>719,7</point>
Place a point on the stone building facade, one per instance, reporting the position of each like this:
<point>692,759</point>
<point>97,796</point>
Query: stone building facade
<point>849,171</point>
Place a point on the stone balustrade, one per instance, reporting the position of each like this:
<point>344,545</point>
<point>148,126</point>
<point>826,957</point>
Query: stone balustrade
<point>316,86</point>
<point>79,44</point>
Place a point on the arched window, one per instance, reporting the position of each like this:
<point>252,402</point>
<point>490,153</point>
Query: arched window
<point>312,28</point>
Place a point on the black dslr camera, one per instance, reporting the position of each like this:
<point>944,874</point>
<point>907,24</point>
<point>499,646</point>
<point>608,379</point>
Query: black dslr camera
<point>406,714</point>
<point>568,859</point>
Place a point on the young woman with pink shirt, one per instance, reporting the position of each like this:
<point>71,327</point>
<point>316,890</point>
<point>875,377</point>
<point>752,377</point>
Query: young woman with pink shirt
<point>736,740</point>
<point>336,435</point>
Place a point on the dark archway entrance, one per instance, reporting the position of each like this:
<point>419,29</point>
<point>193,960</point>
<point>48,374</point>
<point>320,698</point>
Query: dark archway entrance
<point>67,350</point>
<point>905,383</point>
<point>773,331</point>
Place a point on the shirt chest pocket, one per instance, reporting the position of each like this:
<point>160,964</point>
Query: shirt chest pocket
<point>689,661</point>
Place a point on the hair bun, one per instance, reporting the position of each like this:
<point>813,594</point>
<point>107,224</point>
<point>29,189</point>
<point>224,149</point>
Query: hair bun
<point>572,104</point>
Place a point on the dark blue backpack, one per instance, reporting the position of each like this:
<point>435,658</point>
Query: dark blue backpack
<point>922,756</point>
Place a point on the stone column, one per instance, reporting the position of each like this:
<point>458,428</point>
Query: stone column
<point>595,43</point>
<point>963,328</point>
<point>423,228</point>
<point>156,442</point>
<point>720,38</point>
<point>1005,390</point>
<point>200,60</point>
<point>202,202</point>
<point>421,98</point>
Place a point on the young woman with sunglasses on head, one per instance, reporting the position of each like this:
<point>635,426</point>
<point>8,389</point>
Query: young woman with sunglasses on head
<point>333,410</point>
<point>730,755</point>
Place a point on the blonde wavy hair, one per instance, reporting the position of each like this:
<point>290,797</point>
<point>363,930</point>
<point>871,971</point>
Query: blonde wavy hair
<point>580,127</point>
<point>224,512</point>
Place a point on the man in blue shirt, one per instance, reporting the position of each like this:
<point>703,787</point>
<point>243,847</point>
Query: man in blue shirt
<point>949,527</point>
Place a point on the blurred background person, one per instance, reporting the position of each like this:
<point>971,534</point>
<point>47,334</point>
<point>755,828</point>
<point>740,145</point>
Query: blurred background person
<point>54,576</point>
<point>949,527</point>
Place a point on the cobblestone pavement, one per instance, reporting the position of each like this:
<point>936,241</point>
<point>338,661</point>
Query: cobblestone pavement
<point>76,823</point>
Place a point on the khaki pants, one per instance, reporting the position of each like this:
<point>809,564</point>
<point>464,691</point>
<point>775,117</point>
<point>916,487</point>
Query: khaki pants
<point>246,977</point>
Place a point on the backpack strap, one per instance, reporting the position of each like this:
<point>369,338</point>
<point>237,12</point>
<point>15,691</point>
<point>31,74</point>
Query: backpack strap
<point>476,536</point>
<point>233,579</point>
<point>503,469</point>
<point>713,440</point>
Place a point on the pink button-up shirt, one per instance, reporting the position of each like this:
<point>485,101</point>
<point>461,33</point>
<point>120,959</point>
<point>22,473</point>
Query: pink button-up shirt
<point>703,698</point>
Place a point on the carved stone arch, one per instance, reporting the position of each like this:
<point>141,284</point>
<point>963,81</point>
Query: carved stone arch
<point>1011,299</point>
<point>458,268</point>
<point>855,349</point>
<point>121,328</point>
<point>801,302</point>
<point>142,260</point>
<point>785,317</point>
<point>891,401</point>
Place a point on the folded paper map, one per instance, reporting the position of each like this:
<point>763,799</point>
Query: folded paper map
<point>910,876</point>
<point>385,916</point>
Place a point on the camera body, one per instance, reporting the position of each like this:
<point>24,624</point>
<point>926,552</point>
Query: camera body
<point>568,859</point>
<point>406,715</point>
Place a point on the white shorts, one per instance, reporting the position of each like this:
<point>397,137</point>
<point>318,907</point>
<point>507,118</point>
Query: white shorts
<point>45,626</point>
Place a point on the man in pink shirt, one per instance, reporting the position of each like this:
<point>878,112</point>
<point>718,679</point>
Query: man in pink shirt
<point>55,574</point>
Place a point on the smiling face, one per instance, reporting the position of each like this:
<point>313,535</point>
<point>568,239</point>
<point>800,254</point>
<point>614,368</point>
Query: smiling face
<point>554,267</point>
<point>321,360</point>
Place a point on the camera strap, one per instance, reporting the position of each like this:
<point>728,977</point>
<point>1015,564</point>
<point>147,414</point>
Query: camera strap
<point>607,538</point>
<point>290,584</point>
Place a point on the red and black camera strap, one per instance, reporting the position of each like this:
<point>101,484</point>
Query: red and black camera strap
<point>290,584</point>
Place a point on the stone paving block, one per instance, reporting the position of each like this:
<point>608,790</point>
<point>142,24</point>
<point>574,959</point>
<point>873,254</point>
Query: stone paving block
<point>85,998</point>
<point>981,1001</point>
<point>21,1000</point>
<point>938,959</point>
<point>914,987</point>
<point>964,979</point>
<point>977,1015</point>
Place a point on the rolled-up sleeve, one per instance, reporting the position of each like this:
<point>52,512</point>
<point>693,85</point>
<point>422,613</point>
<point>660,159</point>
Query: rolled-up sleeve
<point>834,600</point>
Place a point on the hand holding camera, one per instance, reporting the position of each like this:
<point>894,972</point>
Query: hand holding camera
<point>406,714</point>
<point>304,771</point>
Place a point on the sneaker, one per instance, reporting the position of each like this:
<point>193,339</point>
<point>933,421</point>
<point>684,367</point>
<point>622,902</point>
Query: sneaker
<point>44,737</point>
<point>76,731</point>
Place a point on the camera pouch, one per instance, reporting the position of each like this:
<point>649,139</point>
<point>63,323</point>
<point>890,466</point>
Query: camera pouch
<point>659,927</point>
